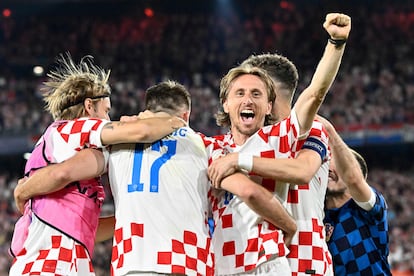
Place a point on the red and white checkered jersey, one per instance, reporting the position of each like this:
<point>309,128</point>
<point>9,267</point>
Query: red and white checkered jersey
<point>74,135</point>
<point>161,204</point>
<point>48,252</point>
<point>309,252</point>
<point>241,239</point>
<point>62,140</point>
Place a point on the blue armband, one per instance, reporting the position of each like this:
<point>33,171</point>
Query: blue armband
<point>316,145</point>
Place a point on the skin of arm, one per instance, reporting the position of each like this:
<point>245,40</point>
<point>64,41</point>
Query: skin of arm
<point>86,164</point>
<point>89,163</point>
<point>262,202</point>
<point>146,130</point>
<point>347,166</point>
<point>299,170</point>
<point>338,26</point>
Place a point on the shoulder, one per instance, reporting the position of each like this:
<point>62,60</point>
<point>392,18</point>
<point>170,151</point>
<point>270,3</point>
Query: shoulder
<point>380,199</point>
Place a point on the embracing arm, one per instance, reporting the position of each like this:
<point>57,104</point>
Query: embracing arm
<point>261,201</point>
<point>299,170</point>
<point>86,164</point>
<point>146,130</point>
<point>338,27</point>
<point>296,171</point>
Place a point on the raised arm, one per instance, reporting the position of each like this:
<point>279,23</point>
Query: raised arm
<point>86,164</point>
<point>261,201</point>
<point>338,27</point>
<point>347,166</point>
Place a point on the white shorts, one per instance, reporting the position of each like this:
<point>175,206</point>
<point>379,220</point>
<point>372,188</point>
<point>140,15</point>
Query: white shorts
<point>49,252</point>
<point>278,266</point>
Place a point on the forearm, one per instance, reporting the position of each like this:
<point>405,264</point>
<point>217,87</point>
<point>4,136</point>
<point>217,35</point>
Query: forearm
<point>345,162</point>
<point>86,164</point>
<point>260,200</point>
<point>270,208</point>
<point>36,184</point>
<point>293,171</point>
<point>348,168</point>
<point>338,27</point>
<point>326,70</point>
<point>312,97</point>
<point>140,131</point>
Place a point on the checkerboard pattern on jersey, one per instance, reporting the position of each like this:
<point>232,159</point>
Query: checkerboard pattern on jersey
<point>256,250</point>
<point>78,132</point>
<point>311,258</point>
<point>51,261</point>
<point>196,258</point>
<point>359,240</point>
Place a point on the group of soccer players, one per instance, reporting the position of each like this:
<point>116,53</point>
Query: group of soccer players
<point>263,183</point>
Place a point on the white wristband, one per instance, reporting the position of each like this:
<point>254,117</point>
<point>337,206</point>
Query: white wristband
<point>245,161</point>
<point>367,206</point>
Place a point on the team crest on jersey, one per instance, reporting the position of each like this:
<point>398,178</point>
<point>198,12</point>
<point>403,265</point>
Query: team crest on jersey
<point>329,230</point>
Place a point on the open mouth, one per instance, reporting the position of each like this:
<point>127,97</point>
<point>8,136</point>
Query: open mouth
<point>247,115</point>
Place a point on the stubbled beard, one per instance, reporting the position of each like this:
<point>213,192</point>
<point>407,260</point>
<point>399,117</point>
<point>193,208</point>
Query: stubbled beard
<point>249,132</point>
<point>335,193</point>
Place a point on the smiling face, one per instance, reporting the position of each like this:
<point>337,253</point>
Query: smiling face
<point>247,104</point>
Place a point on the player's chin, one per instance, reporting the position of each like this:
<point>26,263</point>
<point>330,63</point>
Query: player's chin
<point>248,130</point>
<point>334,190</point>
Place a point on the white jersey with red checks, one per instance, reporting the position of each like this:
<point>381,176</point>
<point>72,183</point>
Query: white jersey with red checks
<point>48,252</point>
<point>242,240</point>
<point>309,254</point>
<point>60,209</point>
<point>161,204</point>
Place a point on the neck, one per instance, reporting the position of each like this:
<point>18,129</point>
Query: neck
<point>239,138</point>
<point>284,112</point>
<point>336,199</point>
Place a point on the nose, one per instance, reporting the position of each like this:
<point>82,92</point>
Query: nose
<point>247,99</point>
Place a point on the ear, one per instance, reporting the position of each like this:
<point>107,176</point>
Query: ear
<point>225,107</point>
<point>186,116</point>
<point>88,106</point>
<point>269,108</point>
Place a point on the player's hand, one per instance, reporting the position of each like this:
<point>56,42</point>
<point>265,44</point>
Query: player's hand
<point>222,167</point>
<point>338,25</point>
<point>149,114</point>
<point>18,200</point>
<point>146,114</point>
<point>287,238</point>
<point>126,118</point>
<point>162,114</point>
<point>328,125</point>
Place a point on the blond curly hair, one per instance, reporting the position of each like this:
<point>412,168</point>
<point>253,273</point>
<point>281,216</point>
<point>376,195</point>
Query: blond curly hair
<point>70,84</point>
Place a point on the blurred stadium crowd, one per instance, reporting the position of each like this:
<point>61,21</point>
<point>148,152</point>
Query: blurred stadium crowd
<point>143,42</point>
